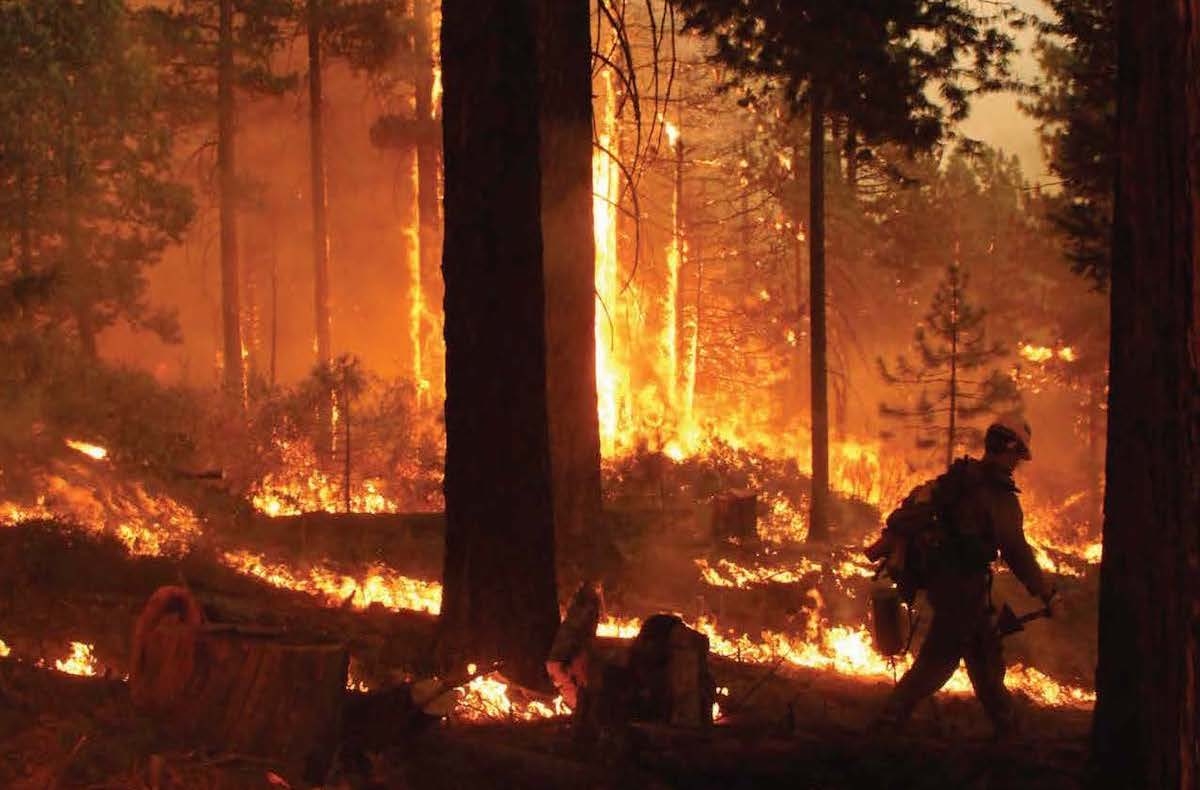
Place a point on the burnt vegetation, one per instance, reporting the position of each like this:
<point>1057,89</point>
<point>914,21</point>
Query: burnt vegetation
<point>439,393</point>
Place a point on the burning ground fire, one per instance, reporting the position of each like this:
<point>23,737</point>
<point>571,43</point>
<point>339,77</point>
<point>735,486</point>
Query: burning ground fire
<point>380,586</point>
<point>305,488</point>
<point>152,525</point>
<point>96,501</point>
<point>81,661</point>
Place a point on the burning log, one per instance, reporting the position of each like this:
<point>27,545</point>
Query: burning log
<point>238,690</point>
<point>735,516</point>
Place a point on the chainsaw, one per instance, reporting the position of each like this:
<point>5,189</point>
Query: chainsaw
<point>1009,622</point>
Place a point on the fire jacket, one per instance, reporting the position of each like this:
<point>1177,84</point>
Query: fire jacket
<point>990,511</point>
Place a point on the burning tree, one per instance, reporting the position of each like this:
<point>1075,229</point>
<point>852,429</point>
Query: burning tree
<point>951,345</point>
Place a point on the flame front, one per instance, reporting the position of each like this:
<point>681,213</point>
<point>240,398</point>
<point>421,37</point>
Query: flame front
<point>81,662</point>
<point>91,450</point>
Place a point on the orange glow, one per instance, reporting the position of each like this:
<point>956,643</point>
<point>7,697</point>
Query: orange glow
<point>147,524</point>
<point>488,697</point>
<point>380,585</point>
<point>81,662</point>
<point>91,450</point>
<point>304,488</point>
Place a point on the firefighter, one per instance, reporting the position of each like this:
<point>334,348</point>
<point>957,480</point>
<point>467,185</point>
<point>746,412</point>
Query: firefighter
<point>987,516</point>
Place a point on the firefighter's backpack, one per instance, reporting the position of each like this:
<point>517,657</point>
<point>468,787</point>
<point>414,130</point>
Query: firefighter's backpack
<point>920,536</point>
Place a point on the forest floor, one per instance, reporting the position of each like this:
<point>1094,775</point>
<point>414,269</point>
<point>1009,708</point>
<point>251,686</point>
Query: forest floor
<point>783,726</point>
<point>802,730</point>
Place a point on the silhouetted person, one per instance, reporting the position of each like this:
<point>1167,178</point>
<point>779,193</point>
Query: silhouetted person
<point>986,520</point>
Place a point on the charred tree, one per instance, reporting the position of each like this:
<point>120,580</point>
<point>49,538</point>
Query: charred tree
<point>500,597</point>
<point>231,318</point>
<point>564,49</point>
<point>1146,721</point>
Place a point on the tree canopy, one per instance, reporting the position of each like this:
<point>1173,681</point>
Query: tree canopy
<point>915,64</point>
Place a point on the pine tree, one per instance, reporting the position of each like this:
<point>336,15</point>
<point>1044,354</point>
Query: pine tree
<point>212,50</point>
<point>903,53</point>
<point>1077,110</point>
<point>88,197</point>
<point>952,372</point>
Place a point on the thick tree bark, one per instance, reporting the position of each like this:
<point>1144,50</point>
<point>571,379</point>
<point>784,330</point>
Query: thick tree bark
<point>320,240</point>
<point>818,527</point>
<point>564,50</point>
<point>1148,673</point>
<point>231,314</point>
<point>500,597</point>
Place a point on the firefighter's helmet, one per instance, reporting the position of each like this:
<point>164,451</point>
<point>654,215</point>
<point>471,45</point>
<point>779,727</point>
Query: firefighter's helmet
<point>1015,431</point>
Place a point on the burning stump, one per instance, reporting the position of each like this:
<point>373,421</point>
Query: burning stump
<point>236,690</point>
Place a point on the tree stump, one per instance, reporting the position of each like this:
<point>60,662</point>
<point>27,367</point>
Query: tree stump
<point>735,516</point>
<point>248,692</point>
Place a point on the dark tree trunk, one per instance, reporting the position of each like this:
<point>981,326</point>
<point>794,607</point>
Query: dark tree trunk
<point>564,41</point>
<point>500,597</point>
<point>231,318</point>
<point>818,527</point>
<point>429,222</point>
<point>320,238</point>
<point>1148,673</point>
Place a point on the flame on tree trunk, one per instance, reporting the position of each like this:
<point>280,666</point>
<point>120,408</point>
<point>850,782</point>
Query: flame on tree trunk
<point>564,43</point>
<point>1145,731</point>
<point>500,596</point>
<point>234,375</point>
<point>428,168</point>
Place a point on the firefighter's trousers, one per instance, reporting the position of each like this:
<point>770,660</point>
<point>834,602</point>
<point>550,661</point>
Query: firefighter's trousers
<point>962,628</point>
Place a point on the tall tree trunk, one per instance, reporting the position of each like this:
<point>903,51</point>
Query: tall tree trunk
<point>569,262</point>
<point>500,596</point>
<point>320,239</point>
<point>320,229</point>
<point>818,527</point>
<point>1148,673</point>
<point>231,314</point>
<point>800,262</point>
<point>428,164</point>
<point>955,294</point>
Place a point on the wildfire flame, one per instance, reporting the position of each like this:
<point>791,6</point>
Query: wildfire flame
<point>80,662</point>
<point>488,697</point>
<point>91,450</point>
<point>305,488</point>
<point>380,585</point>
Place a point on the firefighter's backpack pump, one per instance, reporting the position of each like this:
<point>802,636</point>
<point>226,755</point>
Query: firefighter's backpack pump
<point>919,537</point>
